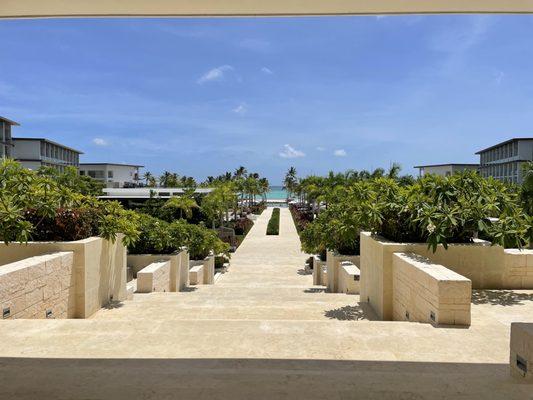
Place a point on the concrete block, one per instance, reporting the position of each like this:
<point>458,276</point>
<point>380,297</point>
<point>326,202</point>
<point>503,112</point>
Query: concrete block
<point>196,275</point>
<point>521,351</point>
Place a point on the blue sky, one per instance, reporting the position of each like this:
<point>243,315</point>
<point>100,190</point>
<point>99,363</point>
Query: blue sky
<point>202,96</point>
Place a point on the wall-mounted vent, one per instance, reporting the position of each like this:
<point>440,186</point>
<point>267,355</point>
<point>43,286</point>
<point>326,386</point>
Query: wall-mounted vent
<point>356,277</point>
<point>6,312</point>
<point>49,314</point>
<point>432,316</point>
<point>521,364</point>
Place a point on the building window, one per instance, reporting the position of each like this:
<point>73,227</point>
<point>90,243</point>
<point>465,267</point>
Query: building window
<point>110,174</point>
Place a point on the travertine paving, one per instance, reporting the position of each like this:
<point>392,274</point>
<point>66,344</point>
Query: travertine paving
<point>263,331</point>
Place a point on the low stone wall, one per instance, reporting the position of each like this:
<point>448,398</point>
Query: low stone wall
<point>488,267</point>
<point>38,287</point>
<point>154,277</point>
<point>427,292</point>
<point>318,273</point>
<point>179,266</point>
<point>521,357</point>
<point>349,278</point>
<point>208,270</point>
<point>196,274</point>
<point>99,269</point>
<point>333,260</point>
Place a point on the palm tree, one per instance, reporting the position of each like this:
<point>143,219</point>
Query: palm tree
<point>147,176</point>
<point>289,183</point>
<point>394,171</point>
<point>240,172</point>
<point>184,204</point>
<point>164,179</point>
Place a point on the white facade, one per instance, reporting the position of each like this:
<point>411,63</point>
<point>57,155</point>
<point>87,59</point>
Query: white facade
<point>113,175</point>
<point>147,192</point>
<point>6,143</point>
<point>445,169</point>
<point>35,153</point>
<point>504,161</point>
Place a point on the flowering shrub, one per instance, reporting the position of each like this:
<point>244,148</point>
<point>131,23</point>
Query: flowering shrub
<point>38,206</point>
<point>436,210</point>
<point>301,215</point>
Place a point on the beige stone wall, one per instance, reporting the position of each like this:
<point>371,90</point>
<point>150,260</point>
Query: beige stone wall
<point>196,273</point>
<point>99,268</point>
<point>333,261</point>
<point>208,271</point>
<point>428,292</point>
<point>521,354</point>
<point>179,266</point>
<point>154,277</point>
<point>488,267</point>
<point>349,278</point>
<point>36,286</point>
<point>318,273</point>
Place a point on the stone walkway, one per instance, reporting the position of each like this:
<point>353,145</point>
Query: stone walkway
<point>263,331</point>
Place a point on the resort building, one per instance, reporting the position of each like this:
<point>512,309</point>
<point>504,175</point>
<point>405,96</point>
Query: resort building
<point>6,143</point>
<point>113,175</point>
<point>504,160</point>
<point>445,169</point>
<point>34,153</point>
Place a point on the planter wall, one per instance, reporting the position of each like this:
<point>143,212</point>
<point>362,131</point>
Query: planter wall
<point>318,273</point>
<point>349,278</point>
<point>428,292</point>
<point>99,269</point>
<point>488,267</point>
<point>333,261</point>
<point>39,287</point>
<point>154,278</point>
<point>208,269</point>
<point>179,266</point>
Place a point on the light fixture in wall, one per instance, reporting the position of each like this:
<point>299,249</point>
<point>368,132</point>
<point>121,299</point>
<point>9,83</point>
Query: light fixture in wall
<point>521,364</point>
<point>6,312</point>
<point>432,316</point>
<point>406,314</point>
<point>49,314</point>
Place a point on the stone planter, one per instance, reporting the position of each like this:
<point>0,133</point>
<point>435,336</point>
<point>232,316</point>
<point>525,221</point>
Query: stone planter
<point>488,267</point>
<point>208,269</point>
<point>333,262</point>
<point>179,266</point>
<point>99,269</point>
<point>318,275</point>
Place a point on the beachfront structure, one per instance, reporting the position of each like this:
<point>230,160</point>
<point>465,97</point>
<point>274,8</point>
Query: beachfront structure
<point>34,153</point>
<point>503,161</point>
<point>146,193</point>
<point>113,175</point>
<point>6,143</point>
<point>445,169</point>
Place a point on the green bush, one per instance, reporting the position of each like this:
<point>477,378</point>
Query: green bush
<point>436,210</point>
<point>39,206</point>
<point>161,237</point>
<point>273,223</point>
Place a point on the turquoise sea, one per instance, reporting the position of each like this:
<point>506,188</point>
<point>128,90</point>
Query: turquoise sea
<point>277,193</point>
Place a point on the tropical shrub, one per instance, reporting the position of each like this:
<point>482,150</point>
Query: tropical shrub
<point>36,206</point>
<point>301,215</point>
<point>161,237</point>
<point>258,208</point>
<point>436,210</point>
<point>242,226</point>
<point>273,223</point>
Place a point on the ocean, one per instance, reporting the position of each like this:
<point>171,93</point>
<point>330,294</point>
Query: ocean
<point>277,193</point>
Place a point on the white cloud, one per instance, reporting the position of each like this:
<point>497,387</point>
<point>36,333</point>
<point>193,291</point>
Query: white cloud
<point>320,148</point>
<point>100,142</point>
<point>340,153</point>
<point>266,70</point>
<point>215,74</point>
<point>291,152</point>
<point>241,109</point>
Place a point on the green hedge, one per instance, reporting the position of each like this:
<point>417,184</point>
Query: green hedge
<point>273,224</point>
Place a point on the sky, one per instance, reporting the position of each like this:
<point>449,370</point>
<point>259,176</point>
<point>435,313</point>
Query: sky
<point>203,96</point>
